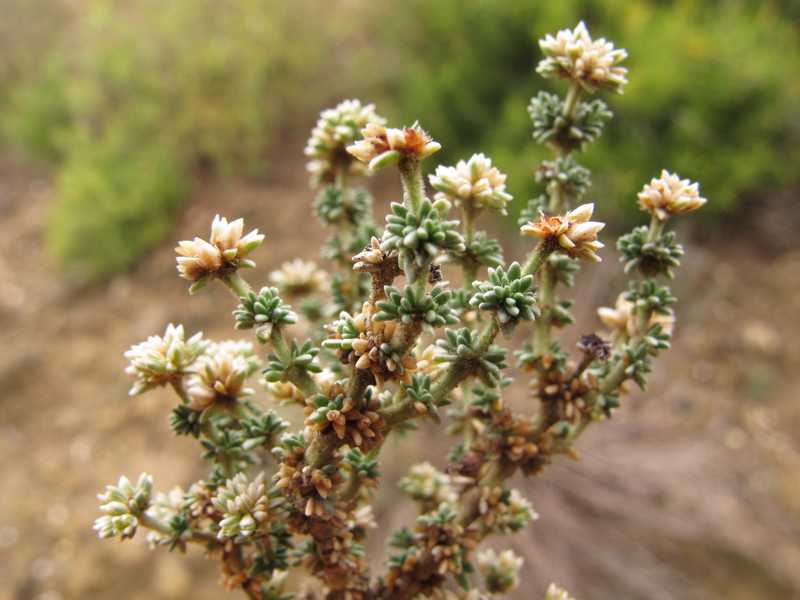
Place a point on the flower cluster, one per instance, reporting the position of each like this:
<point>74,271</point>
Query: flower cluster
<point>573,232</point>
<point>160,360</point>
<point>382,146</point>
<point>244,506</point>
<point>224,252</point>
<point>593,64</point>
<point>670,195</point>
<point>475,181</point>
<point>220,376</point>
<point>336,129</point>
<point>123,505</point>
<point>500,571</point>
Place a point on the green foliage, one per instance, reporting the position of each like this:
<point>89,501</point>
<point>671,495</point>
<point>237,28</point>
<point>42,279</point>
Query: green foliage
<point>714,104</point>
<point>113,202</point>
<point>211,84</point>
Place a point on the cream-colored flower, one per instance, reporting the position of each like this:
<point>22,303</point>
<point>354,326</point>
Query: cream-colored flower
<point>164,507</point>
<point>380,145</point>
<point>227,249</point>
<point>575,233</point>
<point>161,360</point>
<point>572,53</point>
<point>122,505</point>
<point>336,129</point>
<point>300,278</point>
<point>244,504</point>
<point>220,376</point>
<point>475,181</point>
<point>556,593</point>
<point>620,319</point>
<point>670,195</point>
<point>500,571</point>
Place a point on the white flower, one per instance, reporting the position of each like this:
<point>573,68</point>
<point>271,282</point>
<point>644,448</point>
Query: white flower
<point>336,129</point>
<point>475,180</point>
<point>161,360</point>
<point>227,248</point>
<point>575,233</point>
<point>299,278</point>
<point>123,504</point>
<point>591,63</point>
<point>381,145</point>
<point>501,572</point>
<point>165,507</point>
<point>670,195</point>
<point>244,504</point>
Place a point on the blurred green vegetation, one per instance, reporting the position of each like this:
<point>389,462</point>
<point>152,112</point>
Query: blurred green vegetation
<point>710,93</point>
<point>136,95</point>
<point>129,99</point>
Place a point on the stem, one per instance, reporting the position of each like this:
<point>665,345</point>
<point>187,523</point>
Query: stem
<point>571,103</point>
<point>541,334</point>
<point>236,284</point>
<point>154,524</point>
<point>413,186</point>
<point>656,229</point>
<point>537,258</point>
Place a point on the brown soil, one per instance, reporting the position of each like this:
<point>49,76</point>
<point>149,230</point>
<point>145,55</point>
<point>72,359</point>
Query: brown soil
<point>691,491</point>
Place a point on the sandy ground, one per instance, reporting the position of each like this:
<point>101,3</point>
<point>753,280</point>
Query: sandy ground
<point>691,491</point>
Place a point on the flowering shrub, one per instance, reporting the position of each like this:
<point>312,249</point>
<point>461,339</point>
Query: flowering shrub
<point>388,342</point>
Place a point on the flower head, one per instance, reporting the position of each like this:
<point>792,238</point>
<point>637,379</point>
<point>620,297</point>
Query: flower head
<point>220,375</point>
<point>123,504</point>
<point>381,145</point>
<point>161,360</point>
<point>244,505</point>
<point>299,278</point>
<point>336,129</point>
<point>670,195</point>
<point>500,571</point>
<point>475,181</point>
<point>575,233</point>
<point>226,250</point>
<point>425,483</point>
<point>591,63</point>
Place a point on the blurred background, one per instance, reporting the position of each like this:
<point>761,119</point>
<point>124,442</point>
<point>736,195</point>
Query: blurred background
<point>125,126</point>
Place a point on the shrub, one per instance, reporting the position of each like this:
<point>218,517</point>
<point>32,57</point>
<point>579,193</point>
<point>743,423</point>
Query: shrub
<point>113,201</point>
<point>388,343</point>
<point>213,84</point>
<point>716,103</point>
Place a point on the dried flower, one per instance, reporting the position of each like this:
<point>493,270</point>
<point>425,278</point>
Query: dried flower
<point>670,195</point>
<point>591,63</point>
<point>161,360</point>
<point>300,278</point>
<point>382,145</point>
<point>123,504</point>
<point>336,129</point>
<point>500,571</point>
<point>225,251</point>
<point>219,377</point>
<point>244,505</point>
<point>475,181</point>
<point>575,233</point>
